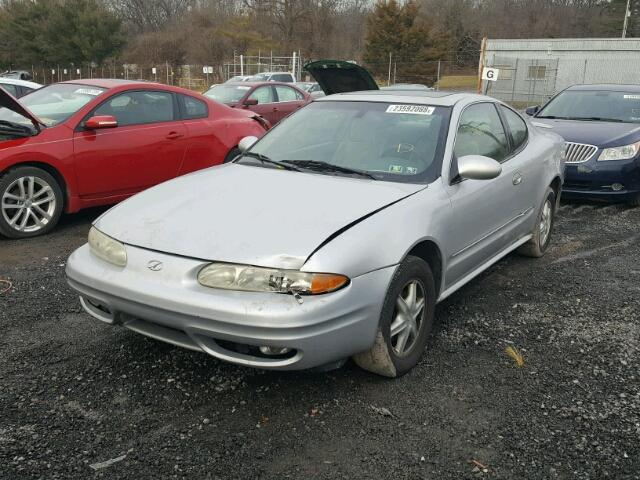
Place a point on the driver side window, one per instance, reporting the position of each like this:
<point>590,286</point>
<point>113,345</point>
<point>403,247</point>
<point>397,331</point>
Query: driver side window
<point>480,132</point>
<point>138,107</point>
<point>262,94</point>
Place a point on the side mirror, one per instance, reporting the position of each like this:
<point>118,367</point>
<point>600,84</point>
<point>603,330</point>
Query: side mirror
<point>249,102</point>
<point>477,167</point>
<point>101,121</point>
<point>246,143</point>
<point>531,111</point>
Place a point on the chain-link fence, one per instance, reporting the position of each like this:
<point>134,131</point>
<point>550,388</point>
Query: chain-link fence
<point>444,74</point>
<point>522,82</point>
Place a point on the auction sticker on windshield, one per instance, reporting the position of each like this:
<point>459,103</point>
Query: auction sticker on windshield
<point>88,91</point>
<point>413,109</point>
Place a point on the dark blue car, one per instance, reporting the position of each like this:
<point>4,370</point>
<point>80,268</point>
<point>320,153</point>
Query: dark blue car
<point>601,127</point>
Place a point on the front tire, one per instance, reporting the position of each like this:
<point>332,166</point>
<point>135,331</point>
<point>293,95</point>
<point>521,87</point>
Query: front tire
<point>635,201</point>
<point>31,202</point>
<point>537,246</point>
<point>405,322</point>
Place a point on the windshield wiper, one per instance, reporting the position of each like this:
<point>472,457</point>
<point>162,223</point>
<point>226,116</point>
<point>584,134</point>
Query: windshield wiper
<point>597,119</point>
<point>16,128</point>
<point>593,119</point>
<point>320,166</point>
<point>265,159</point>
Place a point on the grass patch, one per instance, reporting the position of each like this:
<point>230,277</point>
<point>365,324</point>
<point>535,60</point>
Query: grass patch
<point>458,82</point>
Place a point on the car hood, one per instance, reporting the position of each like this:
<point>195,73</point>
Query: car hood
<point>250,215</point>
<point>589,132</point>
<point>337,76</point>
<point>8,101</point>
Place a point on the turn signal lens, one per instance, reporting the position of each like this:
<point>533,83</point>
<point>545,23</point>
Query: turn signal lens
<point>229,276</point>
<point>327,282</point>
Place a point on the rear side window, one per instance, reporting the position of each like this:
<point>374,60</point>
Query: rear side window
<point>281,77</point>
<point>517,126</point>
<point>287,94</point>
<point>194,108</point>
<point>133,108</point>
<point>480,132</point>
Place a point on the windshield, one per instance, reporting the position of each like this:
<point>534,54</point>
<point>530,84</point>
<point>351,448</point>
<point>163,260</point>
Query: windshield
<point>227,93</point>
<point>399,143</point>
<point>53,104</point>
<point>619,106</point>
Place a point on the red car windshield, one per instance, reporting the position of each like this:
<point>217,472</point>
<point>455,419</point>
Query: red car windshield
<point>53,104</point>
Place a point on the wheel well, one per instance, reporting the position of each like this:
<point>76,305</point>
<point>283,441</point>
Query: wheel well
<point>430,253</point>
<point>555,186</point>
<point>50,170</point>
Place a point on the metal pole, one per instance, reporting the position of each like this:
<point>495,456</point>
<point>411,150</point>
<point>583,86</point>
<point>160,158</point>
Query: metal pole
<point>293,62</point>
<point>627,14</point>
<point>483,47</point>
<point>389,76</point>
<point>438,77</point>
<point>241,64</point>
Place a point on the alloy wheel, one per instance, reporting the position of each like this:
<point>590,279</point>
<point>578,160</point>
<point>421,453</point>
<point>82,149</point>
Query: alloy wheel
<point>545,221</point>
<point>28,204</point>
<point>408,316</point>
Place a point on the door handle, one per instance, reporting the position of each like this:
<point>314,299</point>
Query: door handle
<point>173,135</point>
<point>275,109</point>
<point>517,179</point>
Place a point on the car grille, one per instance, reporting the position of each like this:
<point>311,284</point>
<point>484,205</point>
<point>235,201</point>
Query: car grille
<point>579,152</point>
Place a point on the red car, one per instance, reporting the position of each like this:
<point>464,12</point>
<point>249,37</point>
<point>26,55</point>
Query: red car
<point>271,100</point>
<point>83,143</point>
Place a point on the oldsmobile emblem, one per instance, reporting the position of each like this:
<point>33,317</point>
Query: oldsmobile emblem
<point>155,265</point>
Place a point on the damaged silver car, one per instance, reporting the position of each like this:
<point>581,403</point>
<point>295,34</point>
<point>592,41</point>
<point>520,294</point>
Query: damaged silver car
<point>333,236</point>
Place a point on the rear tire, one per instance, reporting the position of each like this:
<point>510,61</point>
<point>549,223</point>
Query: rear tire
<point>408,310</point>
<point>635,201</point>
<point>232,154</point>
<point>31,202</point>
<point>537,246</point>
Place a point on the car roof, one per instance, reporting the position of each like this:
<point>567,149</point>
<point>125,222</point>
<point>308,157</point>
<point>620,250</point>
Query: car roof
<point>439,98</point>
<point>110,82</point>
<point>22,83</point>
<point>257,84</point>
<point>612,87</point>
<point>271,73</point>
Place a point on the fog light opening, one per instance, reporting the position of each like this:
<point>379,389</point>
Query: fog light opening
<point>616,187</point>
<point>274,351</point>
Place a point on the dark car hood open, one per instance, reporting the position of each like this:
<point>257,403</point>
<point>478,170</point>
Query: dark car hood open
<point>601,134</point>
<point>7,101</point>
<point>338,76</point>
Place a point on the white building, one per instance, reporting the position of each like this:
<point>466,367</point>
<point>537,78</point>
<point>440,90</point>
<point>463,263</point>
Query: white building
<point>532,70</point>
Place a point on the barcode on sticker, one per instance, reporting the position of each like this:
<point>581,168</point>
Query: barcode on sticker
<point>413,109</point>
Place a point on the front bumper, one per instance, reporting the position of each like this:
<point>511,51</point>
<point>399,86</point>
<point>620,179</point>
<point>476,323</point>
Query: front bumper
<point>171,306</point>
<point>594,179</point>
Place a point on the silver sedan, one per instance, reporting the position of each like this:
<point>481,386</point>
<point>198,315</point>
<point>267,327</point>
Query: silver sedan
<point>333,236</point>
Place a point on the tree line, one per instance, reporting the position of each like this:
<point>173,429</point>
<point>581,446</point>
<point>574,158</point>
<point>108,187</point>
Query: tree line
<point>65,32</point>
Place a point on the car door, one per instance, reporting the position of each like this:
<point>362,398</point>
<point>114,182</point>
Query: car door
<point>289,100</point>
<point>147,146</point>
<point>266,107</point>
<point>487,214</point>
<point>205,148</point>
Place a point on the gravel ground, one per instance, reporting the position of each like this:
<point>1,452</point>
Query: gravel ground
<point>75,393</point>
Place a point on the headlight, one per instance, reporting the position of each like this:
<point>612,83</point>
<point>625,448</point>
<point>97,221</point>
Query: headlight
<point>619,153</point>
<point>107,248</point>
<point>246,278</point>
